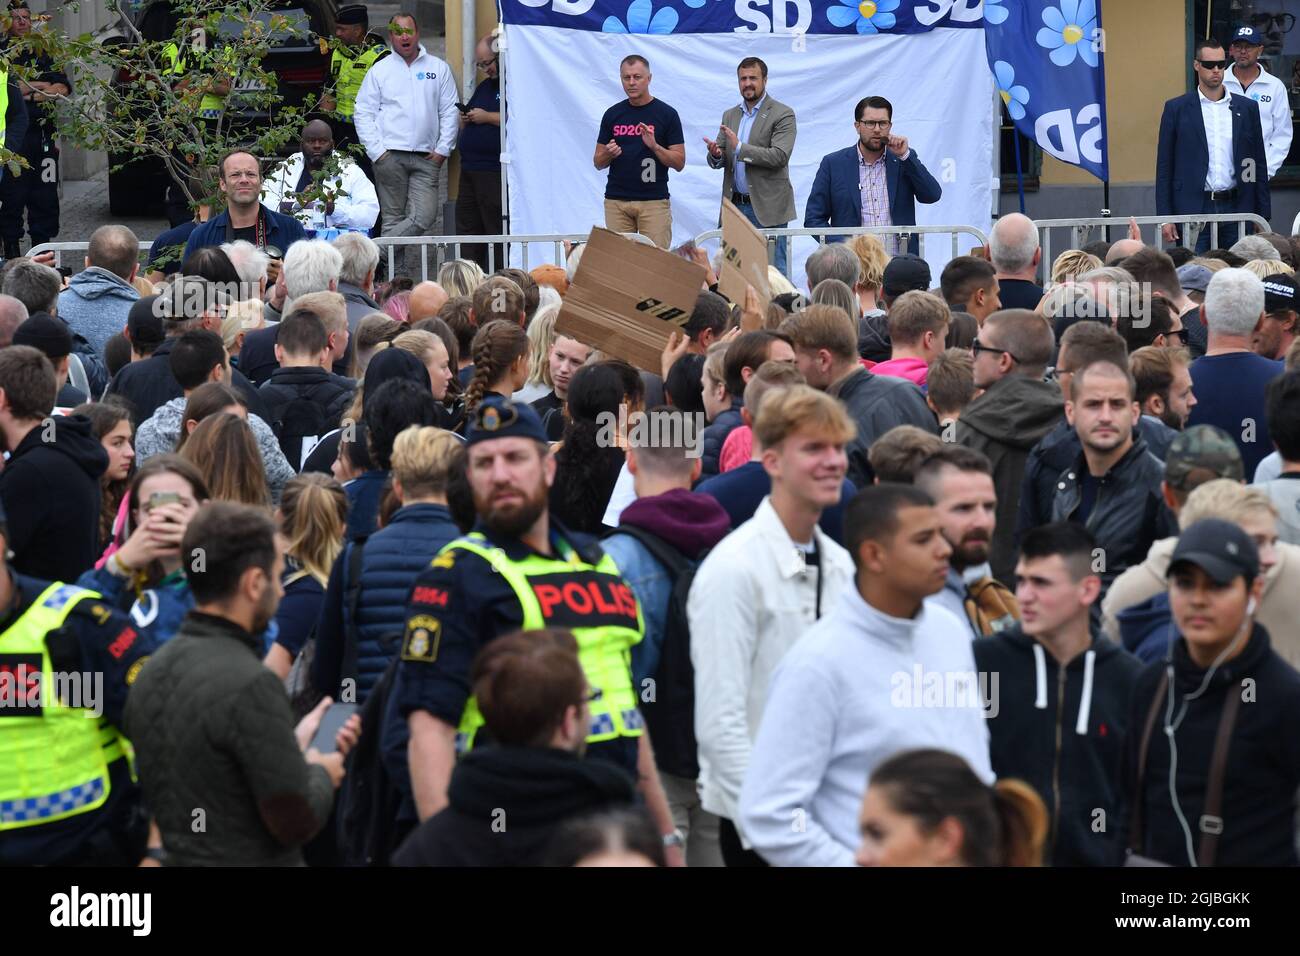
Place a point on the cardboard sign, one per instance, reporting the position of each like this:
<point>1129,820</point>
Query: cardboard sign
<point>744,257</point>
<point>628,297</point>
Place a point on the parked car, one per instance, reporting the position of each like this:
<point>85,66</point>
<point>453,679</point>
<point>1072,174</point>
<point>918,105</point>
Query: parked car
<point>296,60</point>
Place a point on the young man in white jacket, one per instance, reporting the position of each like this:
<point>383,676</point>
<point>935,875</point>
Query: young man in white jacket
<point>761,589</point>
<point>350,202</point>
<point>407,120</point>
<point>884,671</point>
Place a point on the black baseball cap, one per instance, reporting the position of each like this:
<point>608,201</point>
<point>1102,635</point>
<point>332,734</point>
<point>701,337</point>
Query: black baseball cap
<point>1280,293</point>
<point>1219,548</point>
<point>499,417</point>
<point>46,334</point>
<point>1247,35</point>
<point>144,323</point>
<point>353,14</point>
<point>906,273</point>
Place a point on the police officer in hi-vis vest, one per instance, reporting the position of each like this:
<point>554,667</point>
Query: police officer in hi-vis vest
<point>68,794</point>
<point>185,69</point>
<point>348,65</point>
<point>518,569</point>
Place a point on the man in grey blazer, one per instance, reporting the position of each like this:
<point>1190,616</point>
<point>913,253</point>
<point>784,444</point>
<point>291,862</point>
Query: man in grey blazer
<point>756,140</point>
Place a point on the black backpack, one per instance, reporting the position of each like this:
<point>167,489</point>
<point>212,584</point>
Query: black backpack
<point>299,425</point>
<point>670,715</point>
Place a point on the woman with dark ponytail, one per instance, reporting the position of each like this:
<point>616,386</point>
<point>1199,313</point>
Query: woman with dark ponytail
<point>590,455</point>
<point>500,354</point>
<point>928,808</point>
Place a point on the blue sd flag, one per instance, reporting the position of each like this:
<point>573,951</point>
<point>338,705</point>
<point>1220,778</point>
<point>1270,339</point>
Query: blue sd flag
<point>1047,57</point>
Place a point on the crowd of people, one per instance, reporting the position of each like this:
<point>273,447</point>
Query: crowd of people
<point>993,568</point>
<point>972,571</point>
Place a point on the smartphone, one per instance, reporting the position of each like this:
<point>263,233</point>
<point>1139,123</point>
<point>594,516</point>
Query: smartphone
<point>163,498</point>
<point>330,724</point>
<point>462,107</point>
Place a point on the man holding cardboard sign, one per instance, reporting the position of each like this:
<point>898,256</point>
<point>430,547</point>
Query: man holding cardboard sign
<point>753,151</point>
<point>640,140</point>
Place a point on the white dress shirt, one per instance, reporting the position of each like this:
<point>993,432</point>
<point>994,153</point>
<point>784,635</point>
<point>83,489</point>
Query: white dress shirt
<point>751,600</point>
<point>358,209</point>
<point>1217,117</point>
<point>410,107</point>
<point>1274,113</point>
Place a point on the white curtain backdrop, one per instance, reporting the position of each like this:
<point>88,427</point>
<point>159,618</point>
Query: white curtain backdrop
<point>559,82</point>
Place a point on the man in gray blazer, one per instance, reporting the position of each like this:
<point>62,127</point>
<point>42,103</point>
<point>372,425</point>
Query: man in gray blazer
<point>757,138</point>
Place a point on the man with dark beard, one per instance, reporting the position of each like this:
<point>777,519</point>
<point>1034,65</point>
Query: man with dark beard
<point>960,480</point>
<point>519,569</point>
<point>322,189</point>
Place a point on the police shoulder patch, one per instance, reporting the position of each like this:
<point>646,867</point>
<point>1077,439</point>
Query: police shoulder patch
<point>444,560</point>
<point>422,636</point>
<point>134,671</point>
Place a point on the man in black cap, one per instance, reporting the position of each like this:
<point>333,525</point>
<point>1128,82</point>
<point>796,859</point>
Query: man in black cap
<point>144,328</point>
<point>903,273</point>
<point>1273,336</point>
<point>358,51</point>
<point>52,339</point>
<point>519,569</point>
<point>1217,717</point>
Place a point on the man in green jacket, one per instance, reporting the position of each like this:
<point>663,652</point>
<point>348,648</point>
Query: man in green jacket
<point>227,777</point>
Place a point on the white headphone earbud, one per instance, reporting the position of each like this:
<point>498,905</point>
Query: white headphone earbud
<point>1250,607</point>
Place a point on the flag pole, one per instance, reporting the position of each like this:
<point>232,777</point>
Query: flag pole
<point>1020,176</point>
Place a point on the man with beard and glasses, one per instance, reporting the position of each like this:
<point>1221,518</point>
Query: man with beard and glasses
<point>960,480</point>
<point>339,196</point>
<point>1115,486</point>
<point>518,569</point>
<point>211,725</point>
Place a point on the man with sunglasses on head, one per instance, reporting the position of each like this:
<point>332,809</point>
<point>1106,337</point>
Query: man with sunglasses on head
<point>1015,410</point>
<point>478,202</point>
<point>1246,77</point>
<point>1211,157</point>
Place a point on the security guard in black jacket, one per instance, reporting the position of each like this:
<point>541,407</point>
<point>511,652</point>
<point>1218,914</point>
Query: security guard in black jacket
<point>68,795</point>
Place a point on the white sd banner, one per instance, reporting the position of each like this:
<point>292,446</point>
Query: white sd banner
<point>559,82</point>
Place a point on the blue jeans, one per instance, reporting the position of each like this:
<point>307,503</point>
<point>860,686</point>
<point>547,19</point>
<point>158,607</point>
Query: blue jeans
<point>779,257</point>
<point>1227,231</point>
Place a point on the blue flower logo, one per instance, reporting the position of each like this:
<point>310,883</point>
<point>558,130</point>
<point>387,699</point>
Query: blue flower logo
<point>639,20</point>
<point>1069,32</point>
<point>1015,97</point>
<point>994,12</point>
<point>871,16</point>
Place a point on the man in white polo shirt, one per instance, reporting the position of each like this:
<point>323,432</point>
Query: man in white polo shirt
<point>1247,78</point>
<point>407,120</point>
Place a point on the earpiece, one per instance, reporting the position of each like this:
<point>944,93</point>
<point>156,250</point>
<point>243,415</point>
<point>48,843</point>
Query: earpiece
<point>1250,607</point>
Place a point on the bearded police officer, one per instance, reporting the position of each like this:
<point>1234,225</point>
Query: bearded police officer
<point>67,659</point>
<point>519,569</point>
<point>349,63</point>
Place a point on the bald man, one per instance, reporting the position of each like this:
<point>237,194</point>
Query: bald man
<point>1123,249</point>
<point>427,300</point>
<point>321,188</point>
<point>1013,247</point>
<point>478,202</point>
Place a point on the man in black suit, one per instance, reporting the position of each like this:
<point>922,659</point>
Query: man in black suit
<point>1211,157</point>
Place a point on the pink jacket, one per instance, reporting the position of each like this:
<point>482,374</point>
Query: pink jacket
<point>914,370</point>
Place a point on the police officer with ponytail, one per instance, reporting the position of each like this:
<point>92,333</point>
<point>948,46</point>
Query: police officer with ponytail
<point>518,569</point>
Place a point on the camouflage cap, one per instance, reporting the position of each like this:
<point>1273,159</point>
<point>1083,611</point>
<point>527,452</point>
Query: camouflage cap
<point>1200,454</point>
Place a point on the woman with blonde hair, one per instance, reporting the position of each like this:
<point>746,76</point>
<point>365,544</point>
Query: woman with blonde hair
<point>241,318</point>
<point>432,353</point>
<point>312,516</point>
<point>223,449</point>
<point>460,277</point>
<point>541,336</point>
<point>1268,267</point>
<point>1071,264</point>
<point>872,259</point>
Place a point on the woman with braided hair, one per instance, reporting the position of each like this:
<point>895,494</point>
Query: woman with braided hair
<point>500,354</point>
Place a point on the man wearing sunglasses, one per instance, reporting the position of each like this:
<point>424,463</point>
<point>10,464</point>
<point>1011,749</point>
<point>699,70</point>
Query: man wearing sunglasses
<point>1211,157</point>
<point>1247,78</point>
<point>1273,336</point>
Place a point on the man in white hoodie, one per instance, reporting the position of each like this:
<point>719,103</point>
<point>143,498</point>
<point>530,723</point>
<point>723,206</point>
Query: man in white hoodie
<point>761,589</point>
<point>884,671</point>
<point>347,199</point>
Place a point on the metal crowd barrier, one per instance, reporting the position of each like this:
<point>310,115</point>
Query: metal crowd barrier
<point>905,233</point>
<point>58,248</point>
<point>1081,230</point>
<point>389,245</point>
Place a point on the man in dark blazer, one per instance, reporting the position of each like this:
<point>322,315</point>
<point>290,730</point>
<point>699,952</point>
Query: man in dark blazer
<point>1211,157</point>
<point>753,151</point>
<point>846,191</point>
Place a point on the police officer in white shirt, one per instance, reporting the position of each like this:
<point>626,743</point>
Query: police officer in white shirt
<point>1247,78</point>
<point>345,201</point>
<point>407,120</point>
